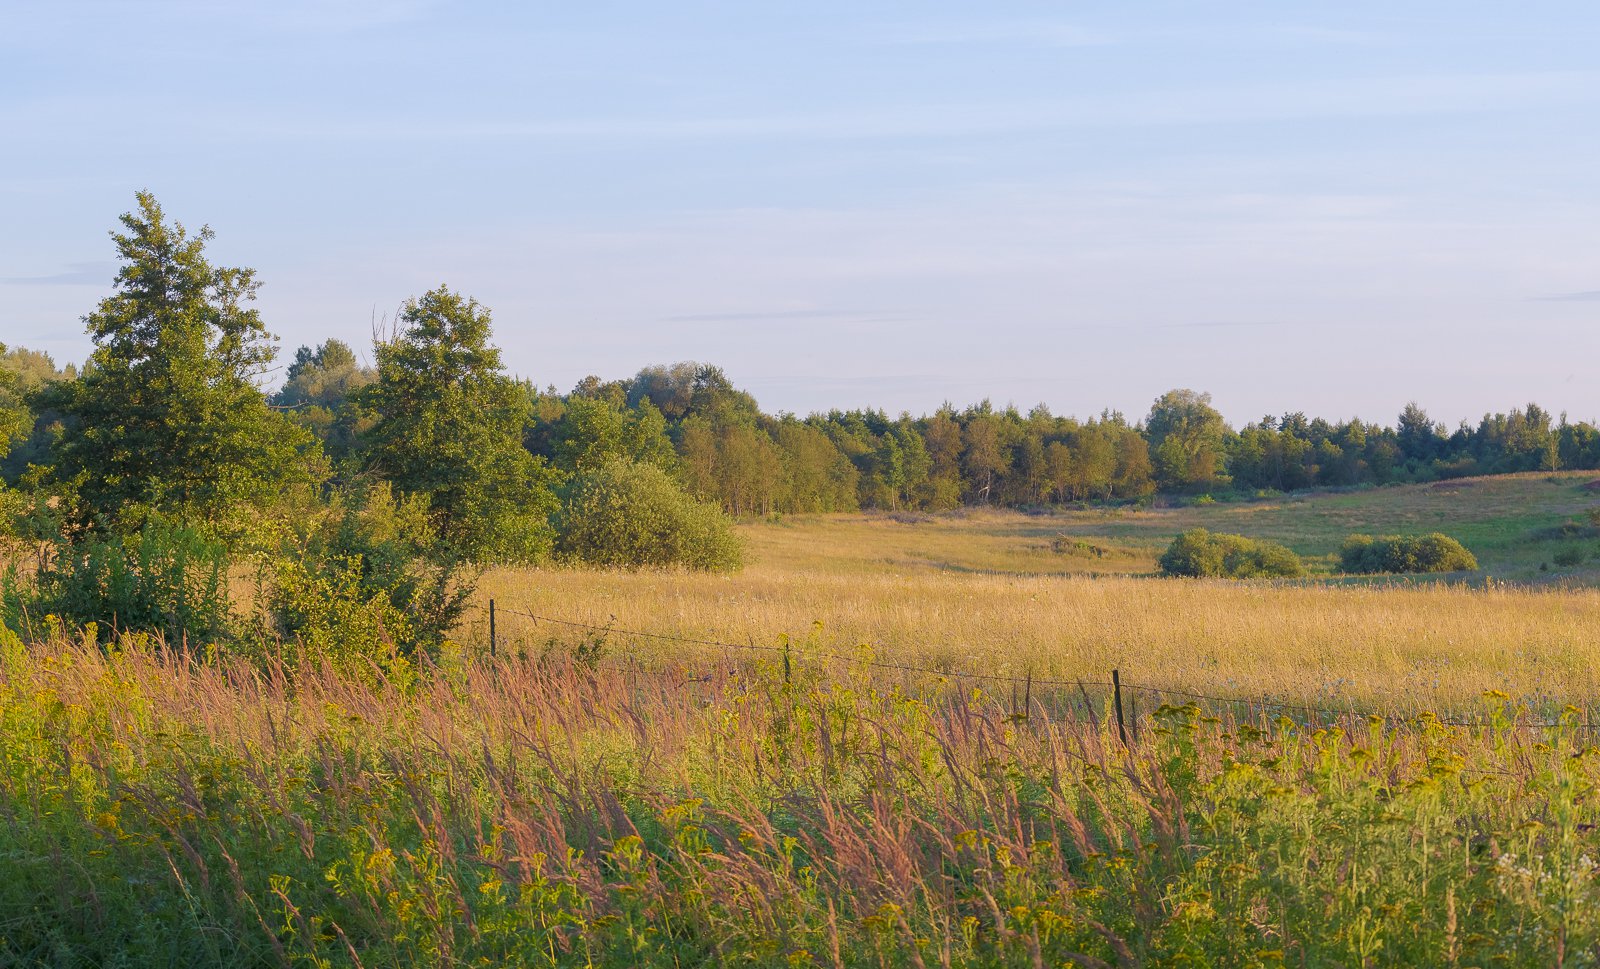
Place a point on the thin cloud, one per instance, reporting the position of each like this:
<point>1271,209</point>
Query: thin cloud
<point>779,315</point>
<point>1030,32</point>
<point>1217,324</point>
<point>1587,296</point>
<point>1368,97</point>
<point>81,274</point>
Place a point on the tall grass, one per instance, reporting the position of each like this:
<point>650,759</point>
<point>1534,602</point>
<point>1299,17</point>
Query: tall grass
<point>159,809</point>
<point>1412,648</point>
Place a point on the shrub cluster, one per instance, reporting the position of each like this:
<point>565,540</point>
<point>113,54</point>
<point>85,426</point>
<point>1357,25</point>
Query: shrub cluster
<point>164,578</point>
<point>1204,554</point>
<point>1365,555</point>
<point>624,514</point>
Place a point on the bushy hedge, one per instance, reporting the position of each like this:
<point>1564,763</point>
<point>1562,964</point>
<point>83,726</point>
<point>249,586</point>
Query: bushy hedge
<point>1365,555</point>
<point>165,579</point>
<point>1204,554</point>
<point>628,515</point>
<point>366,587</point>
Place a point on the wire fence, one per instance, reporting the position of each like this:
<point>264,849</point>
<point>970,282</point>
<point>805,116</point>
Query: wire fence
<point>1115,686</point>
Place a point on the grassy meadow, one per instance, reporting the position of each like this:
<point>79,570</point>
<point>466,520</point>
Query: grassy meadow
<point>1068,596</point>
<point>587,799</point>
<point>545,812</point>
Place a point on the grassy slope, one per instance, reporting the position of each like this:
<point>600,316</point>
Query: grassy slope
<point>1511,522</point>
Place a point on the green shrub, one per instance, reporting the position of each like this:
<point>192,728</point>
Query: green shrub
<point>1202,554</point>
<point>330,612</point>
<point>163,579</point>
<point>628,515</point>
<point>1570,556</point>
<point>1365,555</point>
<point>366,584</point>
<point>1067,545</point>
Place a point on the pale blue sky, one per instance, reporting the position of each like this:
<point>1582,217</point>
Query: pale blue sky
<point>1320,207</point>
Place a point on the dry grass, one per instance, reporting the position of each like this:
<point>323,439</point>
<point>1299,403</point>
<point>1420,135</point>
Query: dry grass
<point>984,593</point>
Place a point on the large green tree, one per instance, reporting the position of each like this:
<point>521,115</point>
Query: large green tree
<point>1186,441</point>
<point>167,418</point>
<point>448,428</point>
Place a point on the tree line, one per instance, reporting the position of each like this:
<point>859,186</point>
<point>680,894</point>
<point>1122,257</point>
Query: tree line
<point>687,419</point>
<point>367,488</point>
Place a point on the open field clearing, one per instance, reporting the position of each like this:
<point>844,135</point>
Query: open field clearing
<point>1513,523</point>
<point>986,592</point>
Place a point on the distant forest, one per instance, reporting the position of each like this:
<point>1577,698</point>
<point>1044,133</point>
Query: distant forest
<point>690,420</point>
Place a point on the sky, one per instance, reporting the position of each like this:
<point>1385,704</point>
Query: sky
<point>1327,208</point>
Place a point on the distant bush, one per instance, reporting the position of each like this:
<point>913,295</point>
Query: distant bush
<point>1365,555</point>
<point>1204,554</point>
<point>1067,545</point>
<point>1570,556</point>
<point>629,515</point>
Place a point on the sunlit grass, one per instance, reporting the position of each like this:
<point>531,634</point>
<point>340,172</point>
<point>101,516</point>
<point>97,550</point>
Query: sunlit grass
<point>985,591</point>
<point>160,810</point>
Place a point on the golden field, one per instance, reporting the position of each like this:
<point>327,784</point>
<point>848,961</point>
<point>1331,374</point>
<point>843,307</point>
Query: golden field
<point>985,592</point>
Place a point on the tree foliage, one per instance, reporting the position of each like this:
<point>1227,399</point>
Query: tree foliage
<point>27,427</point>
<point>448,428</point>
<point>624,514</point>
<point>319,392</point>
<point>167,417</point>
<point>1186,441</point>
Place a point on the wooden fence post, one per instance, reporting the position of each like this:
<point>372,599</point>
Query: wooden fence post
<point>492,643</point>
<point>1116,693</point>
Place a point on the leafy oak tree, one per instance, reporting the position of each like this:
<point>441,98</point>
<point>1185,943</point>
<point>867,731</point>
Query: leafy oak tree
<point>167,418</point>
<point>448,428</point>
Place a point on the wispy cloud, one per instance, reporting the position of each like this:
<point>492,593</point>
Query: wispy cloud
<point>1587,296</point>
<point>300,17</point>
<point>80,274</point>
<point>1398,96</point>
<point>1218,324</point>
<point>1041,33</point>
<point>781,316</point>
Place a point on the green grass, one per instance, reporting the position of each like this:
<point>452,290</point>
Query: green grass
<point>1512,523</point>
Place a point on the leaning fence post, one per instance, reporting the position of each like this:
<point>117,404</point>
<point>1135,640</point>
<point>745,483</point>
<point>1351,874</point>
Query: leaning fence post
<point>1116,693</point>
<point>491,629</point>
